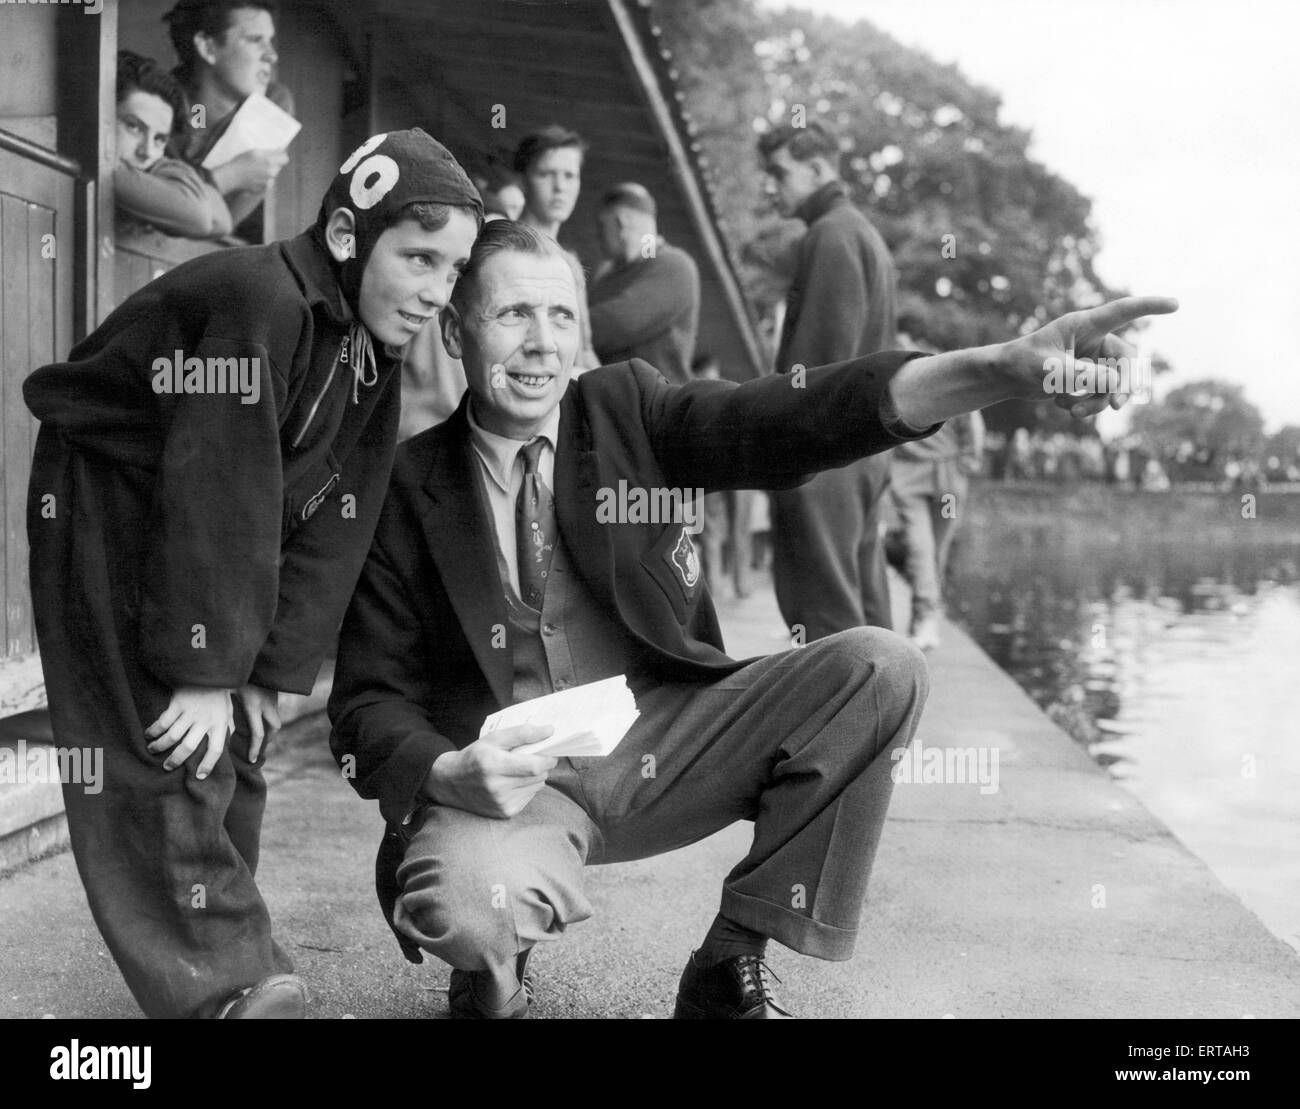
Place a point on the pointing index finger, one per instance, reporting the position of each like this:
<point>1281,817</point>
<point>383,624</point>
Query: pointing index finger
<point>1118,313</point>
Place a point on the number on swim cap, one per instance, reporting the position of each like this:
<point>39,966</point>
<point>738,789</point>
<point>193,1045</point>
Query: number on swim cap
<point>361,151</point>
<point>385,173</point>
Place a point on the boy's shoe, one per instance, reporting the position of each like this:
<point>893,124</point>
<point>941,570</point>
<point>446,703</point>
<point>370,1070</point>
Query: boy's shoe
<point>279,997</point>
<point>466,1004</point>
<point>733,989</point>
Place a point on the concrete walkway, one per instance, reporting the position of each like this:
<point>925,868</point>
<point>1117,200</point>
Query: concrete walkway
<point>1058,895</point>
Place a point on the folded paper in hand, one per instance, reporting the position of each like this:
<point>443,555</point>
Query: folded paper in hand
<point>258,124</point>
<point>589,720</point>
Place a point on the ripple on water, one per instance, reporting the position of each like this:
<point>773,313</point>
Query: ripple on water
<point>1176,663</point>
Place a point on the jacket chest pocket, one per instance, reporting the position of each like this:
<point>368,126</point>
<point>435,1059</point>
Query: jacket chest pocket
<point>307,493</point>
<point>674,563</point>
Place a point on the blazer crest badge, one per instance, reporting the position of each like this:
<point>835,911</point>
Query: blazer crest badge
<point>686,560</point>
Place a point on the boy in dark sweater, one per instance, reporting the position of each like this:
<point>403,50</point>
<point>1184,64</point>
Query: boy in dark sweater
<point>207,479</point>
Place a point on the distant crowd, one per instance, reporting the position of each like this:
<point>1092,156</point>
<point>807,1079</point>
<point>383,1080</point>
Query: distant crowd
<point>1126,462</point>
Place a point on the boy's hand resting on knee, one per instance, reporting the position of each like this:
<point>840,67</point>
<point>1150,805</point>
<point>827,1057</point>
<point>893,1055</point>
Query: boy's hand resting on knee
<point>195,713</point>
<point>489,777</point>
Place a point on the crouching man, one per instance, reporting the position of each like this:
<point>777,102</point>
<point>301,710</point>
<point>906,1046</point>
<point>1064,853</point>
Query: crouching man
<point>495,577</point>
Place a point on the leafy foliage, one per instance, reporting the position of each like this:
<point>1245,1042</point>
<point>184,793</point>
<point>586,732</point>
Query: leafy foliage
<point>1284,445</point>
<point>925,156</point>
<point>1204,422</point>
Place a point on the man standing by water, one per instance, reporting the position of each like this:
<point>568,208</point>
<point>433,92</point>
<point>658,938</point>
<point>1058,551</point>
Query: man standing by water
<point>828,562</point>
<point>929,494</point>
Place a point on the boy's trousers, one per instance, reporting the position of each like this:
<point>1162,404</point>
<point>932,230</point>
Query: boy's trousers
<point>168,863</point>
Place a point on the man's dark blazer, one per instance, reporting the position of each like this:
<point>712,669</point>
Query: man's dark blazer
<point>421,661</point>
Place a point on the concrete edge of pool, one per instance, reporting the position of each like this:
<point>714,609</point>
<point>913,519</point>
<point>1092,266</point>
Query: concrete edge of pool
<point>1057,895</point>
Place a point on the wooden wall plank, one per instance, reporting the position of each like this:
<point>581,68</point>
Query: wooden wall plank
<point>36,310</point>
<point>15,279</point>
<point>7,308</point>
<point>21,426</point>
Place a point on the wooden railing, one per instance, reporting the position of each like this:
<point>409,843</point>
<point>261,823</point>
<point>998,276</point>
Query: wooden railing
<point>143,254</point>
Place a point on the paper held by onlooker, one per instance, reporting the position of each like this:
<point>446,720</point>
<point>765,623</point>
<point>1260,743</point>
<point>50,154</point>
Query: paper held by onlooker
<point>589,720</point>
<point>258,124</point>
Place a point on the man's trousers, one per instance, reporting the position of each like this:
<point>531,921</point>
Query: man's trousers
<point>828,561</point>
<point>728,541</point>
<point>797,742</point>
<point>929,522</point>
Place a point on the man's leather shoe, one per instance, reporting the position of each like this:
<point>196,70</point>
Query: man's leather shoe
<point>734,989</point>
<point>279,997</point>
<point>467,1005</point>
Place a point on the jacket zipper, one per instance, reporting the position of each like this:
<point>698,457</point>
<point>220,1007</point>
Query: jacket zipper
<point>342,357</point>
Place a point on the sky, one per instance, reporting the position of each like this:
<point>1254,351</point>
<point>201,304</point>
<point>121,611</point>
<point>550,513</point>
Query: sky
<point>1180,119</point>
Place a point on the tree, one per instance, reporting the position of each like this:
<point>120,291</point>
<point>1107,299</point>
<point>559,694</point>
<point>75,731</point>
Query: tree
<point>1199,427</point>
<point>1282,453</point>
<point>988,242</point>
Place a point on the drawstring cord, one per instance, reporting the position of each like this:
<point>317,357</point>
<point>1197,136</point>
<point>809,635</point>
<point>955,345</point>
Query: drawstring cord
<point>364,370</point>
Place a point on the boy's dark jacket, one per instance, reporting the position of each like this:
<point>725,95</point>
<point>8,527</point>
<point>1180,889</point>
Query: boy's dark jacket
<point>421,661</point>
<point>252,520</point>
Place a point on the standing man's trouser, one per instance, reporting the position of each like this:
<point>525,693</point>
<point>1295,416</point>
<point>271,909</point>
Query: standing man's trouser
<point>929,498</point>
<point>828,562</point>
<point>729,520</point>
<point>745,503</point>
<point>716,523</point>
<point>798,742</point>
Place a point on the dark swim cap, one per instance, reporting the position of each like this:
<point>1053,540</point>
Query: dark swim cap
<point>381,177</point>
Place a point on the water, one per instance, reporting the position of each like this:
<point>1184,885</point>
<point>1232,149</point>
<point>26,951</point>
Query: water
<point>1163,633</point>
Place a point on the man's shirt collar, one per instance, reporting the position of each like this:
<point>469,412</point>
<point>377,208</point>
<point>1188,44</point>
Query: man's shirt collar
<point>499,453</point>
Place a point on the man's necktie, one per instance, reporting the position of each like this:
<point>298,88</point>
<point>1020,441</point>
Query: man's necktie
<point>534,528</point>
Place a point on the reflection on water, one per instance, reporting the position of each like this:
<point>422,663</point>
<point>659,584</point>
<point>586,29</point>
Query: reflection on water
<point>1164,635</point>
